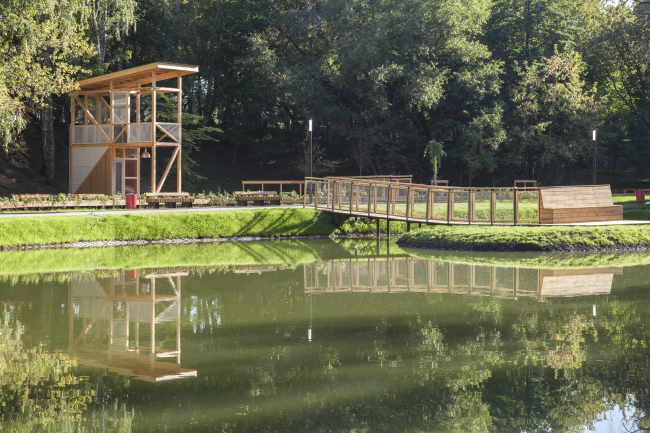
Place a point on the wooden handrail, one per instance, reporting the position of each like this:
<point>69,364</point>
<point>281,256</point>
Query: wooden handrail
<point>363,197</point>
<point>300,184</point>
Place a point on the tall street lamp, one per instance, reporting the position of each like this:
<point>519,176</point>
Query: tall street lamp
<point>311,158</point>
<point>594,140</point>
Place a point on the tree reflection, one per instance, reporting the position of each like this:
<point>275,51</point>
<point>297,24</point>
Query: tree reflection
<point>475,355</point>
<point>39,388</point>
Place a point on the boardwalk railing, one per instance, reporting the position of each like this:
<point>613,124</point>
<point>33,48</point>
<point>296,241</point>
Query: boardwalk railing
<point>273,183</point>
<point>431,204</point>
<point>394,275</point>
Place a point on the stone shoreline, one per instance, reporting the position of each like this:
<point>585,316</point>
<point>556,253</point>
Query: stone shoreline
<point>178,241</point>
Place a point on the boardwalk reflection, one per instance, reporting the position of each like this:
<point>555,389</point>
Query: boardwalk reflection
<point>113,322</point>
<point>405,274</point>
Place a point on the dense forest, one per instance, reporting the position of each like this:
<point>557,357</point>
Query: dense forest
<point>478,92</point>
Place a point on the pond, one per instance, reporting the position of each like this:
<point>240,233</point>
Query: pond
<point>322,335</point>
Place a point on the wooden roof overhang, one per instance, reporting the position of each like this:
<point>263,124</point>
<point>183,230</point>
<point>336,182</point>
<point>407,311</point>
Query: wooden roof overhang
<point>134,77</point>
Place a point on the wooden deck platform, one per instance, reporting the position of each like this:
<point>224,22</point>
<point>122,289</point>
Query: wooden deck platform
<point>437,205</point>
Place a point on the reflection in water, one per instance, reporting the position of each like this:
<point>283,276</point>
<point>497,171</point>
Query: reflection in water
<point>112,323</point>
<point>472,348</point>
<point>405,274</point>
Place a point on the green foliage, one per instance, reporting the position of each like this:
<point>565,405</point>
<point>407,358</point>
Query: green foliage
<point>41,44</point>
<point>552,114</point>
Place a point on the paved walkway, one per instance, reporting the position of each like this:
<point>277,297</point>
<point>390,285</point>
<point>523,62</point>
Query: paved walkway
<point>137,211</point>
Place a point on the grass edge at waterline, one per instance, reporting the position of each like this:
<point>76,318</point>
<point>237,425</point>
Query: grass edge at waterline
<point>272,222</point>
<point>526,238</point>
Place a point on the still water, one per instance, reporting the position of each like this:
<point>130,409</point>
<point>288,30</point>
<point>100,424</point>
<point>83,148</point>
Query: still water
<point>321,335</point>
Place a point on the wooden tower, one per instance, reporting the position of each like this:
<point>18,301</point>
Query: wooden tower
<point>114,118</point>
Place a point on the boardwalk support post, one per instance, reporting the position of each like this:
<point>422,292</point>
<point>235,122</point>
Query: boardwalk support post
<point>408,226</point>
<point>388,228</point>
<point>515,207</point>
<point>378,232</point>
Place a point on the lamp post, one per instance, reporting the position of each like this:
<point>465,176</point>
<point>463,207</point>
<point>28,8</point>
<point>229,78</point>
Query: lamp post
<point>594,140</point>
<point>311,158</point>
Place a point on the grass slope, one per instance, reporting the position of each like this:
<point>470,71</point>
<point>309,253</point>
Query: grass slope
<point>499,238</point>
<point>272,222</point>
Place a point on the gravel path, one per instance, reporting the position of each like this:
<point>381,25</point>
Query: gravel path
<point>138,211</point>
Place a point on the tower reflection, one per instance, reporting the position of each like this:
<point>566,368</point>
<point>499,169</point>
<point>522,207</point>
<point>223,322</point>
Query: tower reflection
<point>113,322</point>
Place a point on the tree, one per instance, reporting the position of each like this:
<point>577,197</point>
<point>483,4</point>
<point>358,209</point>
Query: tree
<point>619,60</point>
<point>552,116</point>
<point>39,44</point>
<point>39,389</point>
<point>383,77</point>
<point>110,19</point>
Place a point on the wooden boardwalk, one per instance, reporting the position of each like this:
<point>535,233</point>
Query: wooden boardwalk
<point>397,200</point>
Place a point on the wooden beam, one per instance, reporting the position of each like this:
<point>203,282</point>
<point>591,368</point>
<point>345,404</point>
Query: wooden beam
<point>161,129</point>
<point>179,104</point>
<point>141,70</point>
<point>72,124</point>
<point>169,166</point>
<point>153,133</point>
<point>92,119</point>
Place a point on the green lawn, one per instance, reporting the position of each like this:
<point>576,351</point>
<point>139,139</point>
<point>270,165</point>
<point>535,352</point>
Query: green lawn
<point>511,238</point>
<point>273,222</point>
<point>528,210</point>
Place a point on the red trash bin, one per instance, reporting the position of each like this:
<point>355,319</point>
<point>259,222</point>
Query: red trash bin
<point>640,195</point>
<point>132,201</point>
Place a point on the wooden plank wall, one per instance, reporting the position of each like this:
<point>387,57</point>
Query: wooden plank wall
<point>577,204</point>
<point>100,178</point>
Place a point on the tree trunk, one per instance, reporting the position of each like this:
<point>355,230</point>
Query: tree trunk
<point>47,134</point>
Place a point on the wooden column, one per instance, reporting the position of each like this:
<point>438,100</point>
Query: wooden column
<point>515,208</point>
<point>471,196</point>
<point>493,206</point>
<point>72,124</point>
<point>408,203</point>
<point>111,136</point>
<point>153,132</point>
<point>179,104</point>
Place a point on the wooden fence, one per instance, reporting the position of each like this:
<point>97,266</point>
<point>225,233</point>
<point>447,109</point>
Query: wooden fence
<point>398,201</point>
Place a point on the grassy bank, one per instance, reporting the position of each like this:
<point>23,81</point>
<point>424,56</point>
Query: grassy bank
<point>211,255</point>
<point>275,222</point>
<point>486,238</point>
<point>535,260</point>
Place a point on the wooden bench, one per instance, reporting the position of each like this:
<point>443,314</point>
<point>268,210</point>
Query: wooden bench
<point>259,198</point>
<point>577,204</point>
<point>169,199</point>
